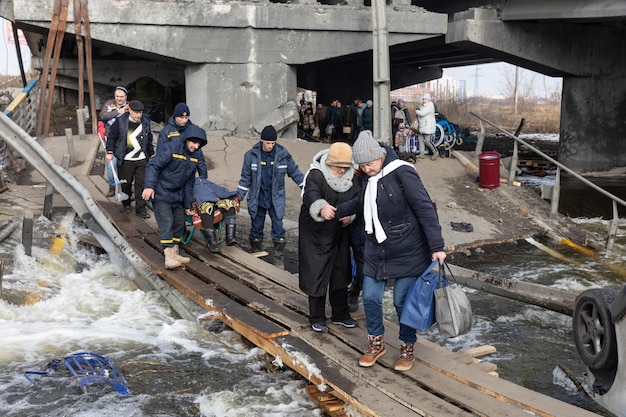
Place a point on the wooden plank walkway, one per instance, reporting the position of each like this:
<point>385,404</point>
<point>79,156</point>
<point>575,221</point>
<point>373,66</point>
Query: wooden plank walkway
<point>265,305</point>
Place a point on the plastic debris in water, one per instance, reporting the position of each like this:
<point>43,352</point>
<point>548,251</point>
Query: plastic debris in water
<point>87,368</point>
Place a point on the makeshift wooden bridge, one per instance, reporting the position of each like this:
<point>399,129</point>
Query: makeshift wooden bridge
<point>264,305</point>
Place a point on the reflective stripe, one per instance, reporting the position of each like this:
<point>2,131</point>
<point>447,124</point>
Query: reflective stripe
<point>175,155</point>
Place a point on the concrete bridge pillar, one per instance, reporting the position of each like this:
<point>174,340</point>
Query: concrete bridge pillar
<point>241,93</point>
<point>593,123</point>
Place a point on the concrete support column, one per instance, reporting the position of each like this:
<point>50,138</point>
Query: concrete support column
<point>593,123</point>
<point>241,94</point>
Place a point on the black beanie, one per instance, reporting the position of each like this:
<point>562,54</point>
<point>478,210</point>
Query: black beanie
<point>181,109</point>
<point>269,133</point>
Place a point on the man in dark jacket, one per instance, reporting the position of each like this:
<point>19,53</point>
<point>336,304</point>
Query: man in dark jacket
<point>263,179</point>
<point>169,183</point>
<point>130,141</point>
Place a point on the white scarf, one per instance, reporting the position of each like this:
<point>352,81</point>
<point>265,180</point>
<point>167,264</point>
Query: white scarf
<point>370,207</point>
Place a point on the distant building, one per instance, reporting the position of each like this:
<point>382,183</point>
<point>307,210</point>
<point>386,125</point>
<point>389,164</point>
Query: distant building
<point>444,88</point>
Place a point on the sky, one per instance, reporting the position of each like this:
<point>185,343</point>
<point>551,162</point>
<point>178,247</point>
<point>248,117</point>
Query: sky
<point>498,79</point>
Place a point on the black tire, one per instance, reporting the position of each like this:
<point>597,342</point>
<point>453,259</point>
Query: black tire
<point>594,330</point>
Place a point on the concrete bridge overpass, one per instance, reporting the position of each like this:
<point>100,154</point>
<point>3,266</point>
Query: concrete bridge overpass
<point>237,62</point>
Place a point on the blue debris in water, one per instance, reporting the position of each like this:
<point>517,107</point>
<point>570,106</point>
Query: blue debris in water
<point>87,368</point>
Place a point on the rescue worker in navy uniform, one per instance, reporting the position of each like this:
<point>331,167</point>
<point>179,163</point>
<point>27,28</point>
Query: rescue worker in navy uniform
<point>177,128</point>
<point>169,184</point>
<point>130,141</point>
<point>263,176</point>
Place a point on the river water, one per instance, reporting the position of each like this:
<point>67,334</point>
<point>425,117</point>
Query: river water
<point>67,298</point>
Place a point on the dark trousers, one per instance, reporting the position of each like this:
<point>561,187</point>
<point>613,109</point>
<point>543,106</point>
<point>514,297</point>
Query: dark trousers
<point>170,218</point>
<point>129,171</point>
<point>357,279</point>
<point>339,306</point>
<point>258,223</point>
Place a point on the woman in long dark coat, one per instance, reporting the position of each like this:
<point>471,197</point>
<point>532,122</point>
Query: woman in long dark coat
<point>324,241</point>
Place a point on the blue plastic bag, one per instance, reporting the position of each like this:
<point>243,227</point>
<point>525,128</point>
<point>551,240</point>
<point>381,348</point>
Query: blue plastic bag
<point>419,307</point>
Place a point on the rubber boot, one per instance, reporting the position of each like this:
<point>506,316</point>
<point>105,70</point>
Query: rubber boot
<point>279,253</point>
<point>230,235</point>
<point>181,259</point>
<point>210,236</point>
<point>256,245</point>
<point>170,260</point>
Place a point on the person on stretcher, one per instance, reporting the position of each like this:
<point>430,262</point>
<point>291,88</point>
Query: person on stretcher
<point>215,204</point>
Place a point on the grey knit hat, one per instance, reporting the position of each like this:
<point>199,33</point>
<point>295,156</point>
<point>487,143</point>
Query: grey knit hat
<point>366,149</point>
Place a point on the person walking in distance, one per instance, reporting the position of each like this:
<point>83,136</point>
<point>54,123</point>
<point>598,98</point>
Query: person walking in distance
<point>263,179</point>
<point>427,125</point>
<point>324,241</point>
<point>169,184</point>
<point>403,238</point>
<point>130,141</point>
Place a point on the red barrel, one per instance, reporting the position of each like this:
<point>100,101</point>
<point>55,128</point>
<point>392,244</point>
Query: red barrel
<point>489,170</point>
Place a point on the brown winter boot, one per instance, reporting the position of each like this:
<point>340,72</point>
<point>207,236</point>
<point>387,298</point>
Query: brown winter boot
<point>375,351</point>
<point>170,259</point>
<point>181,259</point>
<point>406,359</point>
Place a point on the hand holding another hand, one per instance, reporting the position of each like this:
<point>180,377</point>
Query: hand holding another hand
<point>328,212</point>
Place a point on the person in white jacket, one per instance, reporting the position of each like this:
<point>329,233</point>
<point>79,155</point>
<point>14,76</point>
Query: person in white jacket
<point>426,118</point>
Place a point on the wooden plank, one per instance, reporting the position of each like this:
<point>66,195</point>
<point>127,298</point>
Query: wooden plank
<point>477,351</point>
<point>113,212</point>
<point>322,372</point>
<point>280,294</point>
<point>391,383</point>
<point>239,292</point>
<point>203,294</point>
<point>422,376</point>
<point>279,276</point>
<point>501,389</point>
<point>439,359</point>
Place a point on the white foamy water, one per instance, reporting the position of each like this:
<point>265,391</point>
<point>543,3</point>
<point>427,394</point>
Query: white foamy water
<point>56,304</point>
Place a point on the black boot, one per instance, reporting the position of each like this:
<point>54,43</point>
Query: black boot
<point>279,253</point>
<point>256,245</point>
<point>210,236</point>
<point>231,239</point>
